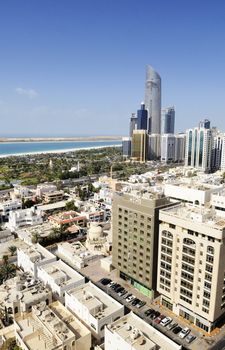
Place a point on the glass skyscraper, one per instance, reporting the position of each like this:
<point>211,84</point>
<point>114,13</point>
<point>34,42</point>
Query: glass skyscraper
<point>168,120</point>
<point>153,100</point>
<point>142,118</point>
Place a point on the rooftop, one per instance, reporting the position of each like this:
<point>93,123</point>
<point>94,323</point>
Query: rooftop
<point>140,335</point>
<point>37,253</point>
<point>98,303</point>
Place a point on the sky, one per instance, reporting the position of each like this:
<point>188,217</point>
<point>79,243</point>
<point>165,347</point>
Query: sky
<point>77,67</point>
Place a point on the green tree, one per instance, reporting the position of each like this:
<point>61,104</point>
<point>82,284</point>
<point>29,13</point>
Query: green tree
<point>12,249</point>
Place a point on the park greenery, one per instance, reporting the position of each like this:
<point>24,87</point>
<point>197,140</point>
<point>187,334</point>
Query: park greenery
<point>39,168</point>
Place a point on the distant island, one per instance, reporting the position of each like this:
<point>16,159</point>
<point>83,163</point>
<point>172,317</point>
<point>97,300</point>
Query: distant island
<point>54,139</point>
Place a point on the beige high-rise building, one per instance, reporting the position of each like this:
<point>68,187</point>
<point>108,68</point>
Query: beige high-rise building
<point>135,238</point>
<point>139,145</point>
<point>191,263</point>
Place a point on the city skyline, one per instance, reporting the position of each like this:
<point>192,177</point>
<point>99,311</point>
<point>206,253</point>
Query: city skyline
<point>67,65</point>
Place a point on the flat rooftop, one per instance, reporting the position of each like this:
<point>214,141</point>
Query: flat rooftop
<point>140,335</point>
<point>61,273</point>
<point>46,327</point>
<point>37,253</point>
<point>207,217</point>
<point>98,303</point>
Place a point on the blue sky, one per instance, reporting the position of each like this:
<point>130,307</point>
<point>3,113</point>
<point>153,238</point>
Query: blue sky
<point>77,67</point>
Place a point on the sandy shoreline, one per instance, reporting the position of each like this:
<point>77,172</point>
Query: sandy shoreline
<point>58,139</point>
<point>55,151</point>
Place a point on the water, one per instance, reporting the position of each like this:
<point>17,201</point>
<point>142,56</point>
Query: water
<point>19,148</point>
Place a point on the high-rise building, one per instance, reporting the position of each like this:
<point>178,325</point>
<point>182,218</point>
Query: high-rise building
<point>168,120</point>
<point>180,147</point>
<point>205,123</point>
<point>142,118</point>
<point>223,155</point>
<point>154,146</point>
<point>153,100</point>
<point>126,146</point>
<point>198,148</point>
<point>191,264</point>
<point>139,146</point>
<point>217,150</point>
<point>168,145</point>
<point>133,123</point>
<point>135,238</point>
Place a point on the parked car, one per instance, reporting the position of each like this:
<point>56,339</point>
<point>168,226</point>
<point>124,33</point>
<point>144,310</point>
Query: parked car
<point>135,301</point>
<point>111,284</point>
<point>166,321</point>
<point>127,296</point>
<point>184,332</point>
<point>148,312</point>
<point>172,326</point>
<point>177,329</point>
<point>140,304</point>
<point>118,288</point>
<point>154,315</point>
<point>115,286</point>
<point>122,292</point>
<point>105,281</point>
<point>130,298</point>
<point>159,319</point>
<point>190,338</point>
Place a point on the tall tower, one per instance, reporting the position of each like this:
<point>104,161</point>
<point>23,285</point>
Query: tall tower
<point>153,100</point>
<point>142,118</point>
<point>168,120</point>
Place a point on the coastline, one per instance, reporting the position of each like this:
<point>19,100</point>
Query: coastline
<point>59,139</point>
<point>69,150</point>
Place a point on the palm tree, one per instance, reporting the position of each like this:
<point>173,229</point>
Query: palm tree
<point>12,249</point>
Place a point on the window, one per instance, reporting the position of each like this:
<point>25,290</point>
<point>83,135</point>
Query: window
<point>210,250</point>
<point>172,226</point>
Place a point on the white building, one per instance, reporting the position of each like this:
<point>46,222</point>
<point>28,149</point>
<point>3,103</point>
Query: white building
<point>32,257</point>
<point>218,143</point>
<point>191,192</point>
<point>45,188</point>
<point>75,254</point>
<point>20,293</point>
<point>132,333</point>
<point>154,146</point>
<point>168,142</point>
<point>198,148</point>
<point>180,147</point>
<point>24,217</point>
<point>94,307</point>
<point>223,155</point>
<point>51,327</point>
<point>60,278</point>
<point>191,264</point>
<point>10,205</point>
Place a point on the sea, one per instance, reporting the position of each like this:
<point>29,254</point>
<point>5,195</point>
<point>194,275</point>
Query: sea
<point>22,148</point>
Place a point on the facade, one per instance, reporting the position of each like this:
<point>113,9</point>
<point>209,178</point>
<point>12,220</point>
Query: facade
<point>94,307</point>
<point>132,333</point>
<point>9,205</point>
<point>168,120</point>
<point>180,148</point>
<point>142,118</point>
<point>154,146</point>
<point>126,146</point>
<point>46,327</point>
<point>217,150</point>
<point>168,146</point>
<point>24,217</point>
<point>191,264</point>
<point>133,123</point>
<point>153,100</point>
<point>223,155</point>
<point>68,218</point>
<point>52,197</point>
<point>20,293</point>
<point>198,148</point>
<point>135,239</point>
<point>44,188</point>
<point>75,254</point>
<point>28,259</point>
<point>139,146</point>
<point>59,277</point>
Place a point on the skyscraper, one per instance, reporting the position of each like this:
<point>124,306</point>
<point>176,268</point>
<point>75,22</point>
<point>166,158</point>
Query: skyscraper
<point>139,146</point>
<point>168,120</point>
<point>133,123</point>
<point>142,118</point>
<point>153,100</point>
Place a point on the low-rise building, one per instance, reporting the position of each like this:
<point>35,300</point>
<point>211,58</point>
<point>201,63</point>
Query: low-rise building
<point>9,205</point>
<point>132,333</point>
<point>19,294</point>
<point>68,218</point>
<point>30,258</point>
<point>44,188</point>
<point>75,254</point>
<point>52,197</point>
<point>94,307</point>
<point>60,278</point>
<point>33,234</point>
<point>24,217</point>
<point>51,327</point>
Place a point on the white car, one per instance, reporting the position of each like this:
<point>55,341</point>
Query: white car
<point>165,321</point>
<point>184,332</point>
<point>131,298</point>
